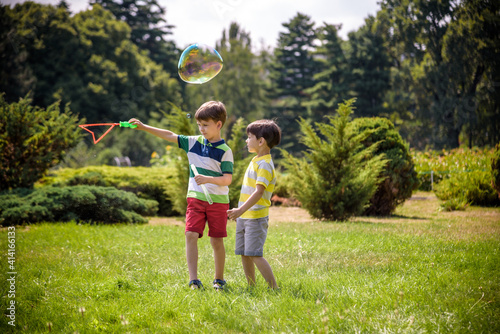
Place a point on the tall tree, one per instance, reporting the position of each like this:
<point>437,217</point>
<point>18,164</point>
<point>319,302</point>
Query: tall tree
<point>368,68</point>
<point>471,50</point>
<point>87,59</point>
<point>294,68</point>
<point>38,37</point>
<point>292,73</point>
<point>149,28</point>
<point>331,82</point>
<point>448,51</point>
<point>120,80</point>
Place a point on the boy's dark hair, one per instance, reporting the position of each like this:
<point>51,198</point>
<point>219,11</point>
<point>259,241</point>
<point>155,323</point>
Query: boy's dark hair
<point>214,110</point>
<point>267,129</point>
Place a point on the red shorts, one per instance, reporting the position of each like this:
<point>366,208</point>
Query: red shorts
<point>200,212</point>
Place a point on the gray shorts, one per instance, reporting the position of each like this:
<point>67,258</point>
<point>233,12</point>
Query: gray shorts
<point>250,236</point>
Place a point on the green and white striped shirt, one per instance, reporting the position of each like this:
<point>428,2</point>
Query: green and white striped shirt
<point>210,159</point>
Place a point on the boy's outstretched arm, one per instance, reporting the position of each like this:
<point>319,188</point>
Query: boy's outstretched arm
<point>251,201</point>
<point>162,133</point>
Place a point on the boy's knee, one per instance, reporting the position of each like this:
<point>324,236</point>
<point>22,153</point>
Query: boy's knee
<point>217,242</point>
<point>257,259</point>
<point>192,235</point>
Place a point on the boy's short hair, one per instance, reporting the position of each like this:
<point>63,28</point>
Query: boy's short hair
<point>214,110</point>
<point>267,129</point>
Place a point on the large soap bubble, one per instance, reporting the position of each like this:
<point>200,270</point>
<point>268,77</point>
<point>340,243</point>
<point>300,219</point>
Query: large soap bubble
<point>199,63</point>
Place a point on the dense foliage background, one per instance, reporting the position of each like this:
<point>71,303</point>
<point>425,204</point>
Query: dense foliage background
<point>425,75</point>
<point>431,67</point>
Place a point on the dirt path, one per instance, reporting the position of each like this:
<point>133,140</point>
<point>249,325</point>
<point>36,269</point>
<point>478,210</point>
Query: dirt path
<point>421,207</point>
<point>286,214</point>
<point>276,213</point>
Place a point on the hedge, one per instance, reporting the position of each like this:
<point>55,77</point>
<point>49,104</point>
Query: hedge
<point>145,182</point>
<point>80,203</point>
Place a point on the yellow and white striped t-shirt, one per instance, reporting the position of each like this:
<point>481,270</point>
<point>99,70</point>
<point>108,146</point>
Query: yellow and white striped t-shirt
<point>259,171</point>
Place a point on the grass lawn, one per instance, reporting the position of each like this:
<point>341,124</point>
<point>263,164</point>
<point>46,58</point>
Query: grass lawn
<point>419,271</point>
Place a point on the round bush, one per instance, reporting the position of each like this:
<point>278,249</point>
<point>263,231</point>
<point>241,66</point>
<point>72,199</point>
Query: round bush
<point>400,177</point>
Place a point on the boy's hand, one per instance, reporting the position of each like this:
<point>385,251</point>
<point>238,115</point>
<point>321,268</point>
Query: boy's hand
<point>200,179</point>
<point>234,213</point>
<point>254,198</point>
<point>135,121</point>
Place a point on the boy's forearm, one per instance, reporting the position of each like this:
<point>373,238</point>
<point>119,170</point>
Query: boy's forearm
<point>224,180</point>
<point>253,199</point>
<point>161,133</point>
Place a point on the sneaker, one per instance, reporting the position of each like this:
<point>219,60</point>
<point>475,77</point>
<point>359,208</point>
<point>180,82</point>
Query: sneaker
<point>219,284</point>
<point>195,284</point>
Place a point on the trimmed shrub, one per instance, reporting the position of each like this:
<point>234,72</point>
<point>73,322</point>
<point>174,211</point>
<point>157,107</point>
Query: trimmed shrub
<point>145,182</point>
<point>495,169</point>
<point>338,175</point>
<point>80,203</point>
<point>472,187</point>
<point>400,177</point>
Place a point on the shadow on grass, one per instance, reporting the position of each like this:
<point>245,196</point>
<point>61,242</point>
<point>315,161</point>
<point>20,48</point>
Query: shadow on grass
<point>405,217</point>
<point>386,219</point>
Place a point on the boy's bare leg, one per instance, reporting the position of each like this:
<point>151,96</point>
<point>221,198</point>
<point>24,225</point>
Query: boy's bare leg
<point>192,254</point>
<point>219,256</point>
<point>265,270</point>
<point>249,268</point>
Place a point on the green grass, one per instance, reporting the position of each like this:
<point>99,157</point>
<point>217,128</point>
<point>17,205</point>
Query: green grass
<point>419,271</point>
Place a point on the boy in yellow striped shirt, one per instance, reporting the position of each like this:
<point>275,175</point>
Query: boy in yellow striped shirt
<point>252,214</point>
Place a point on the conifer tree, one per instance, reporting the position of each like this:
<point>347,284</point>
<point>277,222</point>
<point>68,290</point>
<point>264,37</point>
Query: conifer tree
<point>149,29</point>
<point>369,68</point>
<point>32,140</point>
<point>331,82</point>
<point>292,73</point>
<point>338,175</point>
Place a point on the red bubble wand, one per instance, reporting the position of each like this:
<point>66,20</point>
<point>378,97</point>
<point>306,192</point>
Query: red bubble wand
<point>111,126</point>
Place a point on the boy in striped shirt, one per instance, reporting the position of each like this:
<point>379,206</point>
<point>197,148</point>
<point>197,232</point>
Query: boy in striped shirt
<point>252,214</point>
<point>213,160</point>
